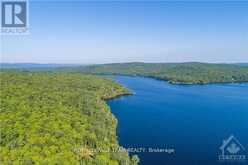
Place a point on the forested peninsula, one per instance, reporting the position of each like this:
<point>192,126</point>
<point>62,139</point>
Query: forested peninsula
<point>175,73</point>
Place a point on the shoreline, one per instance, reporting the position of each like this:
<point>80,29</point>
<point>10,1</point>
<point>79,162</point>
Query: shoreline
<point>106,100</point>
<point>127,118</point>
<point>176,82</point>
<point>117,96</point>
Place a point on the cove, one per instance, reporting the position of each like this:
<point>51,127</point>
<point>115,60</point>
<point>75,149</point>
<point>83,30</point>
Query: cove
<point>192,119</point>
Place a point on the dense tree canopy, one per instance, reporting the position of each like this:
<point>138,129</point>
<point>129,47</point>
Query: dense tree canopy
<point>58,118</point>
<point>187,73</point>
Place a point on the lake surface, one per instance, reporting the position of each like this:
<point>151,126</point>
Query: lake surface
<point>192,119</point>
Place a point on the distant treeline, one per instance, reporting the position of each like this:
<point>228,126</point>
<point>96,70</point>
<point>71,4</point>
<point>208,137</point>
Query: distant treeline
<point>186,73</point>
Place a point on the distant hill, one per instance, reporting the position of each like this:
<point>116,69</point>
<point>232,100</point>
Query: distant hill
<point>242,64</point>
<point>34,66</point>
<point>186,73</point>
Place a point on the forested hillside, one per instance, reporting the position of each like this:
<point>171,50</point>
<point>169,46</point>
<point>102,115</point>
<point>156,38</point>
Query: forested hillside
<point>58,118</point>
<point>187,73</point>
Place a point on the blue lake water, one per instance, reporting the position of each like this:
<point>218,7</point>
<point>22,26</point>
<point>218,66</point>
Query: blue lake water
<point>192,119</point>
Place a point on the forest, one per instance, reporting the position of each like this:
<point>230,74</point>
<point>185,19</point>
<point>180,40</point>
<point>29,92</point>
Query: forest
<point>182,73</point>
<point>61,118</point>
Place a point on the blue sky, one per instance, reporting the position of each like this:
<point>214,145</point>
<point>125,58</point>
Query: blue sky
<point>107,32</point>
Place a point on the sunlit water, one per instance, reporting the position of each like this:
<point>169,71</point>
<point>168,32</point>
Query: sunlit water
<point>192,119</point>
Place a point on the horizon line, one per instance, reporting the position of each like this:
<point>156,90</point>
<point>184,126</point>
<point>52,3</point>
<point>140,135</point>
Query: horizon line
<point>55,63</point>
